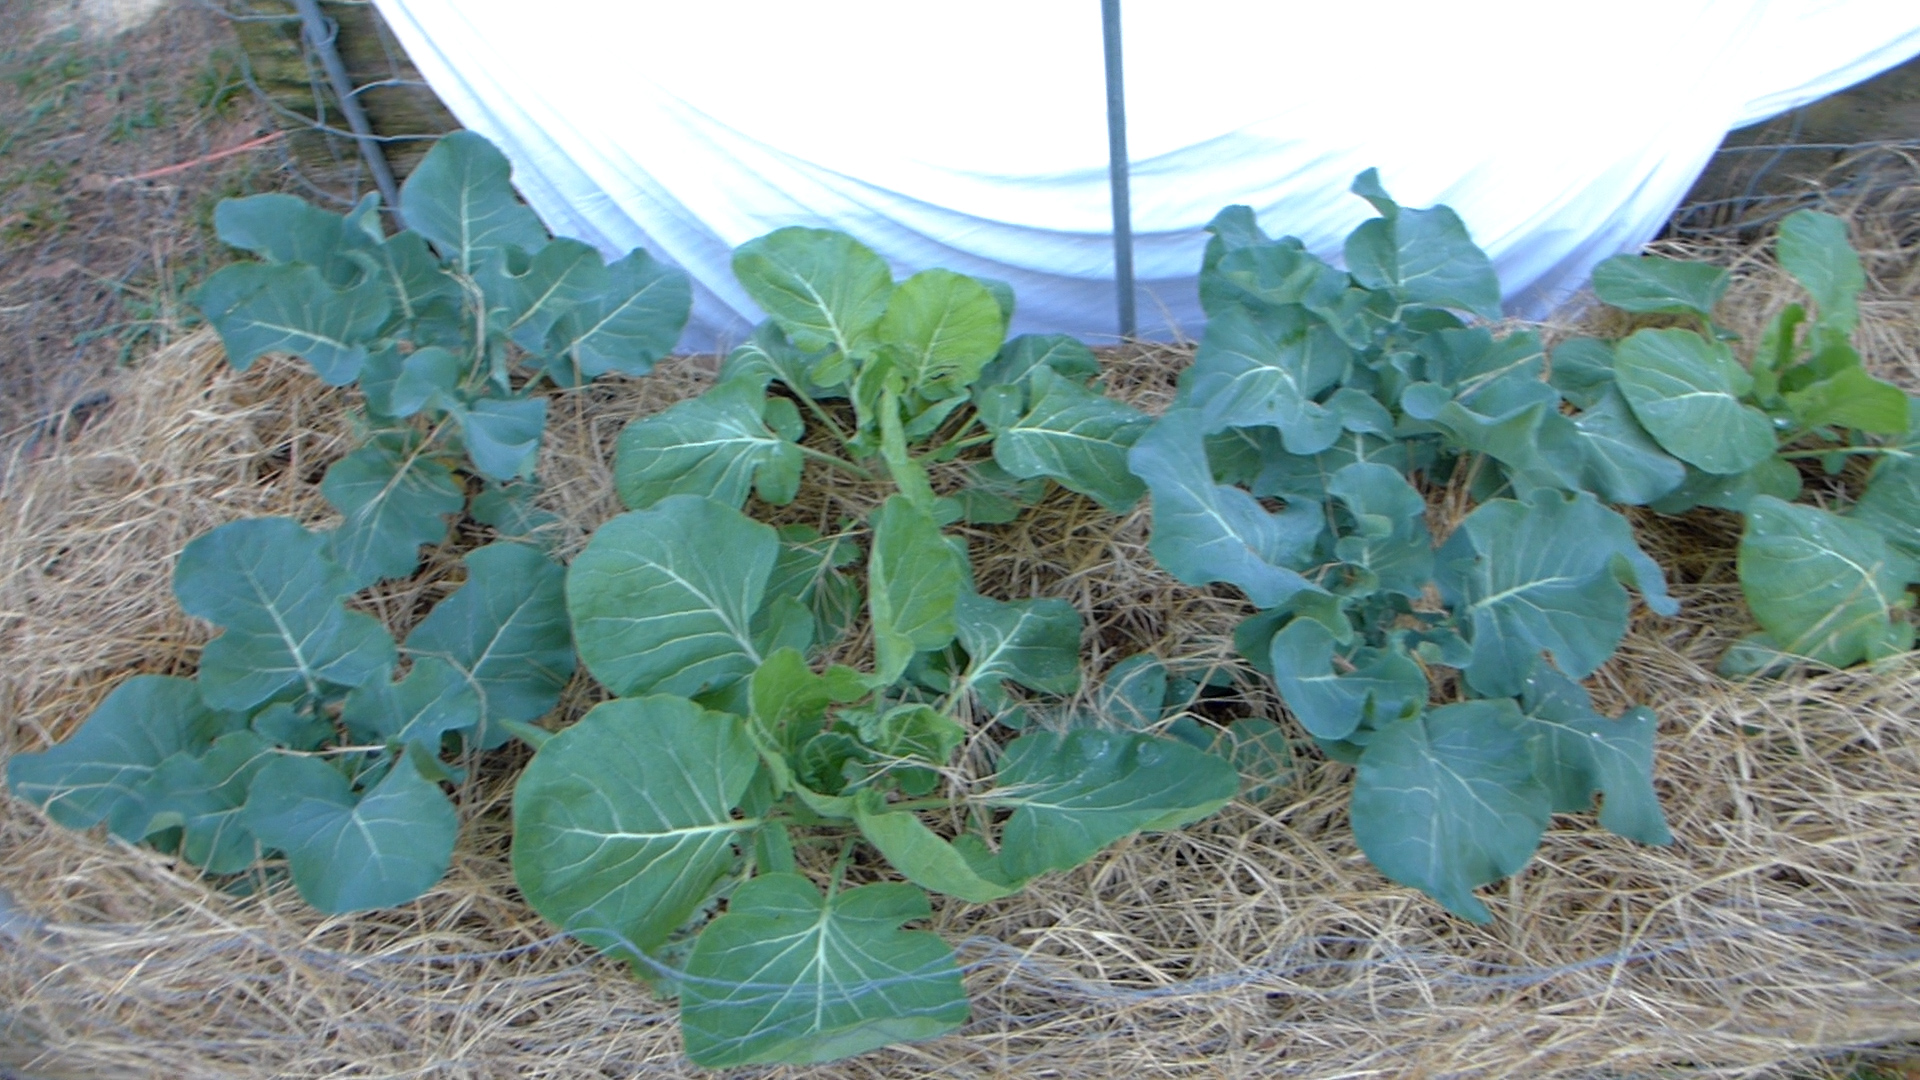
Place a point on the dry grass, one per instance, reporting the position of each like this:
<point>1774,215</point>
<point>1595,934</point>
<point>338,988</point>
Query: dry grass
<point>1783,925</point>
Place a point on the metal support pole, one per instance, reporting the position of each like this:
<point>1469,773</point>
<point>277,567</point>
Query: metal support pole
<point>1116,168</point>
<point>320,35</point>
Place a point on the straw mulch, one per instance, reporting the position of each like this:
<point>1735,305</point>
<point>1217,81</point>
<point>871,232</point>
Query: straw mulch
<point>1783,925</point>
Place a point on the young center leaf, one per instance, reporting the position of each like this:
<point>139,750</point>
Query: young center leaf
<point>1034,642</point>
<point>718,444</point>
<point>824,288</point>
<point>941,328</point>
<point>204,796</point>
<point>1824,587</point>
<point>914,579</point>
<point>347,852</point>
<point>1813,247</point>
<point>392,503</point>
<point>98,773</point>
<point>271,584</point>
<point>663,599</point>
<point>1074,436</point>
<point>1686,390</point>
<point>1420,256</point>
<point>1246,376</point>
<point>434,699</point>
<point>965,868</point>
<point>505,633</point>
<point>503,435</point>
<point>788,976</point>
<point>1447,801</point>
<point>1074,793</point>
<point>623,823</point>
<point>1577,754</point>
<point>1330,704</point>
<point>460,197</point>
<point>1390,538</point>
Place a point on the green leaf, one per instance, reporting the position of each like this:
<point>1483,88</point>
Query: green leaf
<point>824,288</point>
<point>509,509</point>
<point>1390,538</point>
<point>428,377</point>
<point>287,229</point>
<point>717,444</point>
<point>1646,283</point>
<point>1891,503</point>
<point>768,355</point>
<point>1074,436</point>
<point>350,853</point>
<point>942,328</point>
<point>788,976</point>
<point>928,861</point>
<point>632,321</point>
<point>1773,477</point>
<point>1381,688</point>
<point>1620,462</point>
<point>1813,247</point>
<point>1577,754</point>
<point>1686,391</point>
<point>260,309</point>
<point>1545,574</point>
<point>1582,370</point>
<point>1020,356</point>
<point>623,823</point>
<point>1261,276</point>
<point>416,281</point>
<point>1447,802</point>
<point>460,197</point>
<point>1205,532</point>
<point>1850,398</point>
<point>1261,753</point>
<point>1035,642</point>
<point>270,583</point>
<point>98,773</point>
<point>663,598</point>
<point>503,437</point>
<point>1421,256</point>
<point>1074,793</point>
<point>391,504</point>
<point>205,795</point>
<point>526,295</point>
<point>914,578</point>
<point>1824,587</point>
<point>1134,693</point>
<point>282,724</point>
<point>808,569</point>
<point>505,631</point>
<point>1245,376</point>
<point>433,699</point>
<point>1517,424</point>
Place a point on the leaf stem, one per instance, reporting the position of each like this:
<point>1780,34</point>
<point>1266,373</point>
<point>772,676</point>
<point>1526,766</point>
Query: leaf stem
<point>1839,450</point>
<point>819,413</point>
<point>835,461</point>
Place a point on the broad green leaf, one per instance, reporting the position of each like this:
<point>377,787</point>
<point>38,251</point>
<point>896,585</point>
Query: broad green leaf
<point>1421,256</point>
<point>1851,398</point>
<point>824,288</point>
<point>287,229</point>
<point>912,732</point>
<point>1447,802</point>
<point>460,197</point>
<point>391,504</point>
<point>98,773</point>
<point>1020,356</point>
<point>1133,693</point>
<point>270,583</point>
<point>1619,461</point>
<point>626,325</point>
<point>1276,273</point>
<point>663,598</point>
<point>914,578</point>
<point>1582,370</point>
<point>1332,705</point>
<point>1685,390</point>
<point>787,976</point>
<point>788,701</point>
<point>509,509</point>
<point>1244,376</point>
<point>1519,425</point>
<point>503,437</point>
<point>1772,476</point>
<point>1648,283</point>
<point>415,279</point>
<point>1035,642</point>
<point>623,823</point>
<point>942,328</point>
<point>1577,754</point>
<point>204,796</point>
<point>767,355</point>
<point>1824,587</point>
<point>717,444</point>
<point>928,861</point>
<point>1205,532</point>
<point>1813,247</point>
<point>505,630</point>
<point>353,853</point>
<point>1074,793</point>
<point>525,294</point>
<point>428,377</point>
<point>1077,437</point>
<point>1390,538</point>
<point>433,699</point>
<point>291,309</point>
<point>1545,574</point>
<point>1891,503</point>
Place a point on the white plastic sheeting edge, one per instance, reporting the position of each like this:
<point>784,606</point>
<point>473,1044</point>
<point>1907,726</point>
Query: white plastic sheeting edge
<point>973,135</point>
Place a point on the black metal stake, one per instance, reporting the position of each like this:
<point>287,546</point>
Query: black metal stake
<point>1117,168</point>
<point>320,35</point>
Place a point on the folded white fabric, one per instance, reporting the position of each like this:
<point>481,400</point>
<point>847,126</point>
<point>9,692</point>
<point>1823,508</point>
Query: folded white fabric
<point>973,136</point>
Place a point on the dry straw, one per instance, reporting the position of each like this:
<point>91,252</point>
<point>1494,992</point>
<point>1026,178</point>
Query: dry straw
<point>1784,924</point>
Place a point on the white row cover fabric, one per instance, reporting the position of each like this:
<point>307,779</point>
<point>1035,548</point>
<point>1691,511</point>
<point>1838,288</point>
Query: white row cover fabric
<point>972,135</point>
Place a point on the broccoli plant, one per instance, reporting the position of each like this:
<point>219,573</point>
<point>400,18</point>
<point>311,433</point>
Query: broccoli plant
<point>295,736</point>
